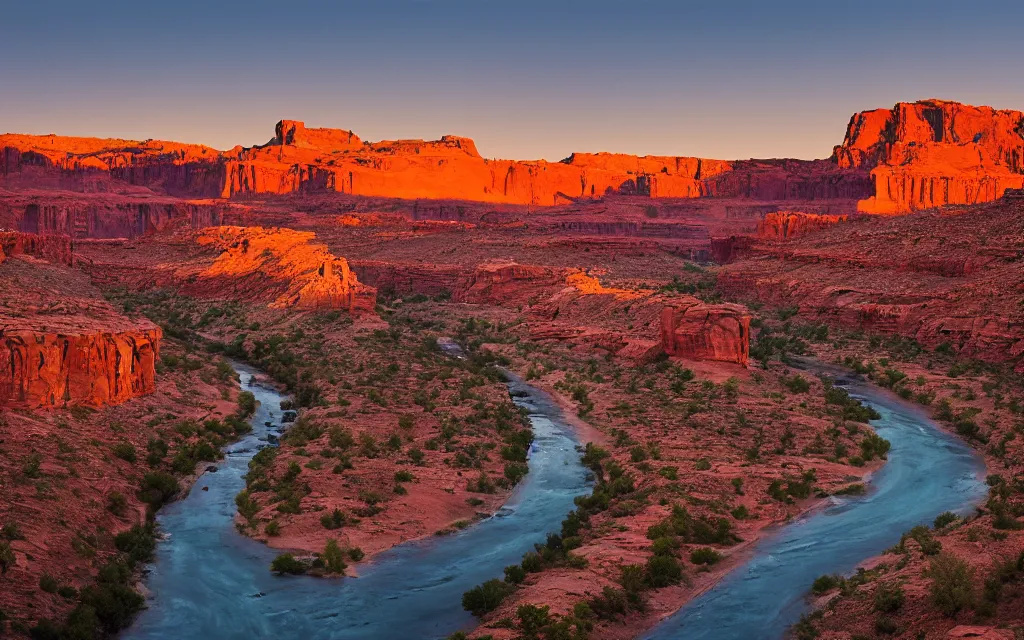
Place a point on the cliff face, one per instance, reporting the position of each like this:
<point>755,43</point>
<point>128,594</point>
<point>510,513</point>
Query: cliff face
<point>52,248</point>
<point>55,369</point>
<point>933,152</point>
<point>311,160</point>
<point>282,266</point>
<point>693,329</point>
<point>62,344</point>
<point>783,225</point>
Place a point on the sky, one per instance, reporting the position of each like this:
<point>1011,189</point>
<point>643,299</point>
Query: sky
<point>525,79</point>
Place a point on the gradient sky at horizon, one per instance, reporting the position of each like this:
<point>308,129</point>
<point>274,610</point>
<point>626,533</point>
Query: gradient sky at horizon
<point>525,79</point>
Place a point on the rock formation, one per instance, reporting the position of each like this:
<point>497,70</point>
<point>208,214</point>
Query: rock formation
<point>783,225</point>
<point>52,248</point>
<point>640,325</point>
<point>693,329</point>
<point>283,266</point>
<point>934,152</point>
<point>949,278</point>
<point>62,344</point>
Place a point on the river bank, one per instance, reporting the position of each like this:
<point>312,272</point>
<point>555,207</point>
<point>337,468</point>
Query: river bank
<point>726,447</point>
<point>209,581</point>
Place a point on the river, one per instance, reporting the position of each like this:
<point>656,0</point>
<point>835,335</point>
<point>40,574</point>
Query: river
<point>208,581</point>
<point>929,471</point>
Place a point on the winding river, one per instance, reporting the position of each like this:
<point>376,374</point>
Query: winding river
<point>208,581</point>
<point>929,471</point>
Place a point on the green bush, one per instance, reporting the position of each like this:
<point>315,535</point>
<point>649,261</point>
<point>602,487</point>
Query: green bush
<point>286,563</point>
<point>486,597</point>
<point>952,587</point>
<point>334,520</point>
<point>334,559</point>
<point>824,584</point>
<point>944,519</point>
<point>48,583</point>
<point>662,571</point>
<point>158,488</point>
<point>138,543</point>
<point>272,529</point>
<point>889,598</point>
<point>246,404</point>
<point>125,451</point>
<point>705,555</point>
<point>515,574</point>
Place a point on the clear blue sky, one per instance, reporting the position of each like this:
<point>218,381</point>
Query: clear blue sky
<point>526,79</point>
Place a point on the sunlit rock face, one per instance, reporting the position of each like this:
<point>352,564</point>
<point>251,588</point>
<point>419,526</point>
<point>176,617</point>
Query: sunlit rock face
<point>282,267</point>
<point>934,152</point>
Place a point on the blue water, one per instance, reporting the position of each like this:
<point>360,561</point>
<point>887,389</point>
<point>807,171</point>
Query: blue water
<point>929,471</point>
<point>208,581</point>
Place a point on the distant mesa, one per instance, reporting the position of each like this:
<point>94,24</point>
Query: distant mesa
<point>912,156</point>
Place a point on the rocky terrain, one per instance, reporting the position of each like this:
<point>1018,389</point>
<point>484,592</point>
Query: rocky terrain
<point>661,300</point>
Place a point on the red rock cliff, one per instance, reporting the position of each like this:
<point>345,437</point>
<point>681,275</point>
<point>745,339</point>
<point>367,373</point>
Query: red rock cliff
<point>693,329</point>
<point>52,248</point>
<point>281,266</point>
<point>783,225</point>
<point>934,152</point>
<point>62,344</point>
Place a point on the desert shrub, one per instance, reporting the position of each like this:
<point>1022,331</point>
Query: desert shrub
<point>247,507</point>
<point>417,456</point>
<point>702,465</point>
<point>334,559</point>
<point>923,536</point>
<point>885,625</point>
<point>797,383</point>
<point>246,404</point>
<point>356,554</point>
<point>824,584</point>
<point>158,488</point>
<point>272,528</point>
<point>662,571</point>
<point>705,555</point>
<point>48,583</point>
<point>944,519</point>
<point>403,476</point>
<point>889,598</point>
<point>609,604</point>
<point>532,562</point>
<point>952,586</point>
<point>486,597</point>
<point>125,451</point>
<point>515,574</point>
<point>138,543</point>
<point>286,563</point>
<point>333,520</point>
<point>117,503</point>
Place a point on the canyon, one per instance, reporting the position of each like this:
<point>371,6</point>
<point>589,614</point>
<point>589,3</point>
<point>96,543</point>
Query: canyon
<point>658,302</point>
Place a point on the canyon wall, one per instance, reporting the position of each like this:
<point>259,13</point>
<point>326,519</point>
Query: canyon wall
<point>52,248</point>
<point>934,152</point>
<point>61,343</point>
<point>783,225</point>
<point>40,369</point>
<point>941,278</point>
<point>109,216</point>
